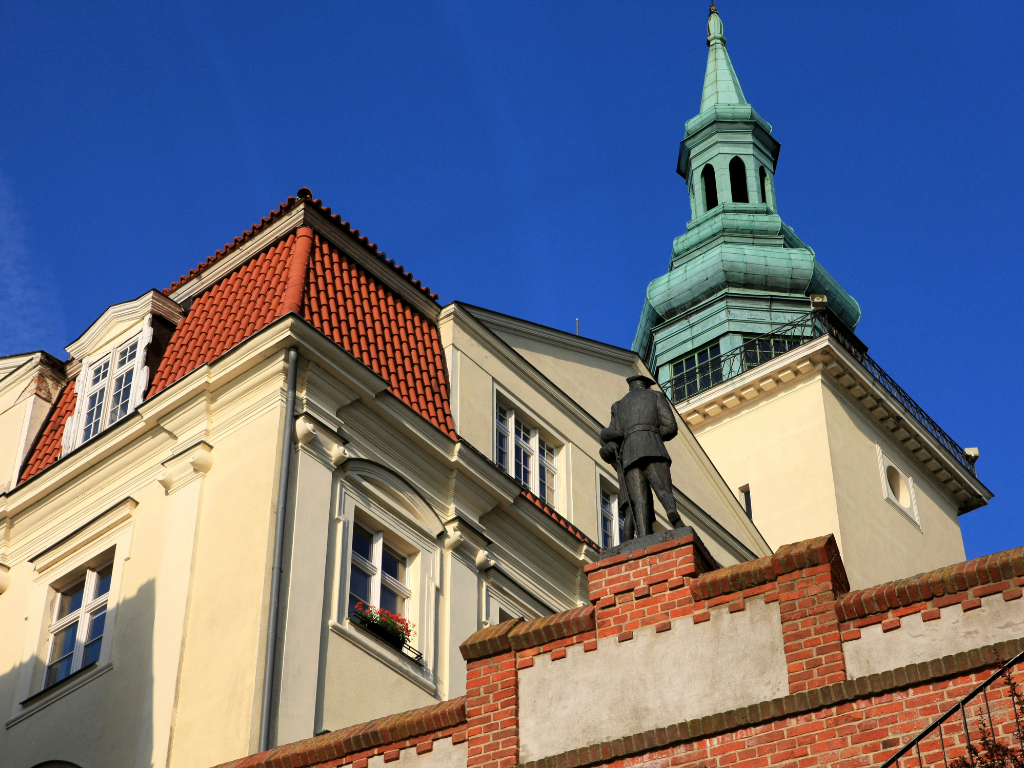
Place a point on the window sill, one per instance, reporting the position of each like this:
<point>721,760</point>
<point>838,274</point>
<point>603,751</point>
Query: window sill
<point>397,661</point>
<point>57,691</point>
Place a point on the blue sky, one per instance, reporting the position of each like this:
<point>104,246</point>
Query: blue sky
<point>521,156</point>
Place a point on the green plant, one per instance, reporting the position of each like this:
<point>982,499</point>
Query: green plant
<point>989,752</point>
<point>391,623</point>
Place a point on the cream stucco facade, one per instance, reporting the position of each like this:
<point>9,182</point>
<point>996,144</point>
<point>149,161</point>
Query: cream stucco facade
<point>173,508</point>
<point>810,436</point>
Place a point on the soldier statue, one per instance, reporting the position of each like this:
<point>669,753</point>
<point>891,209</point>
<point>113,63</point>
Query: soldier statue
<point>635,443</point>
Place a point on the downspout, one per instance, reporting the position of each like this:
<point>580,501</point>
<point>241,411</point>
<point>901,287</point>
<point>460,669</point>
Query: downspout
<point>302,247</point>
<point>275,574</point>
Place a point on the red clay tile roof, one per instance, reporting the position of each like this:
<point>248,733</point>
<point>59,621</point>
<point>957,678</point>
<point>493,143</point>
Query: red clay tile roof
<point>561,520</point>
<point>47,448</point>
<point>287,205</point>
<point>306,275</point>
<point>373,324</point>
<point>241,304</point>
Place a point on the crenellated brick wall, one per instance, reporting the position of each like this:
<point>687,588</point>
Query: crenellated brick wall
<point>964,584</point>
<point>678,662</point>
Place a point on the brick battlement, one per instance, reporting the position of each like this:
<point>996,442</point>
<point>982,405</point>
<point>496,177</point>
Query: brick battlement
<point>355,745</point>
<point>964,584</point>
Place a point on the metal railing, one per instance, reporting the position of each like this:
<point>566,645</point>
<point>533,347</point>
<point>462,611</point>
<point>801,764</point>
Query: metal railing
<point>716,369</point>
<point>960,707</point>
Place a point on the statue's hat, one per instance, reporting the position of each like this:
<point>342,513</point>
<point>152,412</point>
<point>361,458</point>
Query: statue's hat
<point>647,381</point>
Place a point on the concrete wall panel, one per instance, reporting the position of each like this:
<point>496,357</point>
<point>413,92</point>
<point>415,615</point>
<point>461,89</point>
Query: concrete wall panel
<point>652,681</point>
<point>917,640</point>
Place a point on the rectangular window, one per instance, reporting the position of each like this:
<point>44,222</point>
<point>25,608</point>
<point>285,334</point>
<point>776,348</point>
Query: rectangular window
<point>761,349</point>
<point>501,419</point>
<point>745,490</point>
<point>547,474</point>
<point>124,373</point>
<point>107,395</point>
<point>522,452</point>
<point>611,524</point>
<point>95,399</point>
<point>696,372</point>
<point>378,573</point>
<point>76,629</point>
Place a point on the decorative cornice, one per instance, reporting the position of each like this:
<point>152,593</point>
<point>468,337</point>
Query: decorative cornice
<point>84,534</point>
<point>499,322</point>
<point>824,356</point>
<point>963,577</point>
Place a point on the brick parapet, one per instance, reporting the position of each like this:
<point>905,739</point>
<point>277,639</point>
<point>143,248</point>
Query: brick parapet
<point>927,593</point>
<point>790,558</point>
<point>851,723</point>
<point>492,710</point>
<point>356,744</point>
<point>682,557</point>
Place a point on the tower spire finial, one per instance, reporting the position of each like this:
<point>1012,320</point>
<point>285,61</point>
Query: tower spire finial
<point>721,86</point>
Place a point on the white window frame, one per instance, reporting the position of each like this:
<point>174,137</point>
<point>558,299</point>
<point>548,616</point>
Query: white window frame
<point>909,511</point>
<point>367,496</point>
<point>611,514</point>
<point>496,600</point>
<point>519,433</point>
<point>373,569</point>
<point>74,430</point>
<point>91,604</point>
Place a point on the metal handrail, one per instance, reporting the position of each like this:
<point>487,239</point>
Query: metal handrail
<point>915,743</point>
<point>803,329</point>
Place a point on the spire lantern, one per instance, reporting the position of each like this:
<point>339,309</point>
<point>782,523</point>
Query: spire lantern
<point>739,270</point>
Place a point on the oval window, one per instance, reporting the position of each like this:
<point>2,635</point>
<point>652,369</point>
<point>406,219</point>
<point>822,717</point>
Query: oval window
<point>898,486</point>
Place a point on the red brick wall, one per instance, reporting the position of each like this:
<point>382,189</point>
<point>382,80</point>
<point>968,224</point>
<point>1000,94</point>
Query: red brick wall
<point>856,734</point>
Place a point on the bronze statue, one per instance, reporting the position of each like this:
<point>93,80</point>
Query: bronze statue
<point>635,443</point>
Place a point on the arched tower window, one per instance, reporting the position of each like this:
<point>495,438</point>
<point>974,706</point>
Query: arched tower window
<point>707,177</point>
<point>738,181</point>
<point>764,180</point>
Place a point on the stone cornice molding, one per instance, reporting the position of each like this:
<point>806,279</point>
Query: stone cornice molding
<point>85,534</point>
<point>312,434</point>
<point>497,321</point>
<point>153,302</point>
<point>504,352</point>
<point>843,374</point>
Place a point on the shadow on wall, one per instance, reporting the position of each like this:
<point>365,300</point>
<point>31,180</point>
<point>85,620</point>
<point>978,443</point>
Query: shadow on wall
<point>105,723</point>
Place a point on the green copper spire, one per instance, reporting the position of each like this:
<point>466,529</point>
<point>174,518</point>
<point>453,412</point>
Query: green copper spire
<point>739,271</point>
<point>721,86</point>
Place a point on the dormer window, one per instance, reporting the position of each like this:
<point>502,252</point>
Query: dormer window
<point>108,394</point>
<point>118,354</point>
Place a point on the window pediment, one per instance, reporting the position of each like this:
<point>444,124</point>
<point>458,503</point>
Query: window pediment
<point>116,360</point>
<point>121,321</point>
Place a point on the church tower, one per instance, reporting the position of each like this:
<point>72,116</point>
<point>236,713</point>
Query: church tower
<point>753,341</point>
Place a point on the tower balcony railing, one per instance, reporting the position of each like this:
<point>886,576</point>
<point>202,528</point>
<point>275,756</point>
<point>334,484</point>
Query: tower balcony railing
<point>711,370</point>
